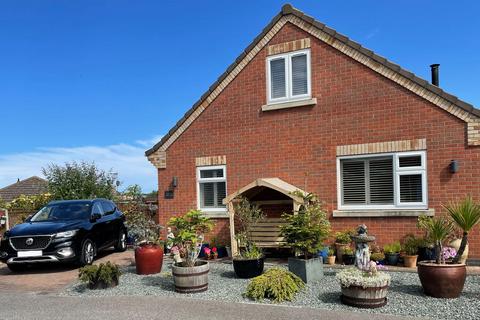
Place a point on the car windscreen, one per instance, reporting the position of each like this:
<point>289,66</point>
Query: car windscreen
<point>63,211</point>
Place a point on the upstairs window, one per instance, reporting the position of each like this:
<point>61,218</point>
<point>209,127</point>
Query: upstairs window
<point>383,181</point>
<point>212,188</point>
<point>288,77</point>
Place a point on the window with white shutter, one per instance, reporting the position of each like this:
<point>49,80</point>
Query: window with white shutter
<point>288,77</point>
<point>383,181</point>
<point>212,188</point>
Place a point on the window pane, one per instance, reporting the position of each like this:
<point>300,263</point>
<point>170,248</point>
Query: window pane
<point>299,75</point>
<point>410,161</point>
<point>411,188</point>
<point>221,193</point>
<point>207,195</point>
<point>381,181</point>
<point>277,78</point>
<point>353,181</point>
<point>214,173</point>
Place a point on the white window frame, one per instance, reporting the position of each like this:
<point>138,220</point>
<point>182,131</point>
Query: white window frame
<point>288,77</point>
<point>200,180</point>
<point>397,171</point>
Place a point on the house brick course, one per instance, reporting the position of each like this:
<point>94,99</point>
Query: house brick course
<point>358,103</point>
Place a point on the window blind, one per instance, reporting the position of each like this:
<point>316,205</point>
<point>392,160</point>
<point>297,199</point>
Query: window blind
<point>299,75</point>
<point>277,80</point>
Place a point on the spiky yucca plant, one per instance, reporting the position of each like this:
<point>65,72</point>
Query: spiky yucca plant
<point>438,229</point>
<point>466,215</point>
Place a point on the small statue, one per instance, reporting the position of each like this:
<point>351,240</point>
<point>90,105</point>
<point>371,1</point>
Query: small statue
<point>362,256</point>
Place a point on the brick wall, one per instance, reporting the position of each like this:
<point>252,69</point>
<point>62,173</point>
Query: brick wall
<point>354,105</point>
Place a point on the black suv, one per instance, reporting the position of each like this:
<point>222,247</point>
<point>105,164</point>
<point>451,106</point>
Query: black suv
<point>65,231</point>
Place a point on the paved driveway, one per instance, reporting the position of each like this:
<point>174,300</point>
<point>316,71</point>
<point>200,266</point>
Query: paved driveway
<point>50,278</point>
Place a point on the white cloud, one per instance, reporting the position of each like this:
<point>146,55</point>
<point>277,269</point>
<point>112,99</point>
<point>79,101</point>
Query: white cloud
<point>128,160</point>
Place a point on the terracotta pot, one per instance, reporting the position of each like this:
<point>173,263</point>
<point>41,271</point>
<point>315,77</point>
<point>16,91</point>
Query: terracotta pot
<point>149,259</point>
<point>442,280</point>
<point>410,261</point>
<point>340,248</point>
<point>331,259</point>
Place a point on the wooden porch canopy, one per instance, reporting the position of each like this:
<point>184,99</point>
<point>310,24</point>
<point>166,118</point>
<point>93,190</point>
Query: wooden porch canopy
<point>260,184</point>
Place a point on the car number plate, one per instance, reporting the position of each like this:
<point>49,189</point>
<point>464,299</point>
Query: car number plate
<point>27,254</point>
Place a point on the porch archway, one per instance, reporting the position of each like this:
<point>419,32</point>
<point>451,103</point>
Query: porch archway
<point>264,191</point>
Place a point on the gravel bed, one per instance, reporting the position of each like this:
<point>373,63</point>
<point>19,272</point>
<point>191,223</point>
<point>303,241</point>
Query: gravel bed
<point>405,295</point>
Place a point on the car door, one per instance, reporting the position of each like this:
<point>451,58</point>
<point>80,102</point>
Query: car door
<point>111,228</point>
<point>99,226</point>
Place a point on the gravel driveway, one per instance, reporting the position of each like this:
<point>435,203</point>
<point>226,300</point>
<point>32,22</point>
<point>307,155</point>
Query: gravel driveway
<point>405,295</point>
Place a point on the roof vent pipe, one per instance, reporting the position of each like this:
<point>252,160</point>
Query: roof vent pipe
<point>435,73</point>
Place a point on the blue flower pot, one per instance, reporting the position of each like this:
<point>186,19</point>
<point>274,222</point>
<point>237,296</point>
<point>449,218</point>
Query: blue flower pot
<point>323,254</point>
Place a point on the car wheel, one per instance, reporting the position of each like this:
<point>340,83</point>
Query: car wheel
<point>88,253</point>
<point>121,244</point>
<point>17,267</point>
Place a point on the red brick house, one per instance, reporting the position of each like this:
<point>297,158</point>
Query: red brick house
<point>304,107</point>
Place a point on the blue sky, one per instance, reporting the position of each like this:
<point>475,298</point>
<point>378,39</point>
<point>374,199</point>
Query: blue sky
<point>102,80</point>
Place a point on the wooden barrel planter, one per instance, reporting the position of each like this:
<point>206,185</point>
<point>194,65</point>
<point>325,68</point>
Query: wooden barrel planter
<point>360,297</point>
<point>191,279</point>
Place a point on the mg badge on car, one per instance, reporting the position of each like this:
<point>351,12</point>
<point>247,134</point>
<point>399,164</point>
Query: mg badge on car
<point>29,241</point>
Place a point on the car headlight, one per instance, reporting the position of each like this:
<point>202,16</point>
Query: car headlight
<point>66,234</point>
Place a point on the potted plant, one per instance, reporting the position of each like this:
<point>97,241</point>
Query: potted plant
<point>364,288</point>
<point>392,253</point>
<point>323,253</point>
<point>377,257</point>
<point>331,257</point>
<point>102,276</point>
<point>426,249</point>
<point>342,240</point>
<point>190,275</point>
<point>348,256</point>
<point>305,232</point>
<point>442,278</point>
<point>249,261</point>
<point>410,248</point>
<point>148,243</point>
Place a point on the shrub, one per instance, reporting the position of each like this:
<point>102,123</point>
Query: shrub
<point>377,256</point>
<point>30,203</point>
<point>79,181</point>
<point>142,228</point>
<point>437,230</point>
<point>411,244</point>
<point>392,248</point>
<point>344,237</point>
<point>247,215</point>
<point>306,229</point>
<point>275,284</point>
<point>107,273</point>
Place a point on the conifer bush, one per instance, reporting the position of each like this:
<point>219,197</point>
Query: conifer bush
<point>275,284</point>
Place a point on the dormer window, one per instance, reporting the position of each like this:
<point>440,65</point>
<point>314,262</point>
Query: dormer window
<point>288,77</point>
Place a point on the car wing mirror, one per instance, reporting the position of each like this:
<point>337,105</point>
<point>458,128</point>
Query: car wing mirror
<point>95,216</point>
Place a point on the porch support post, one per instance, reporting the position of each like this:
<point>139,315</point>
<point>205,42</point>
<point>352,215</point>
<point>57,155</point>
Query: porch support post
<point>233,242</point>
<point>296,207</point>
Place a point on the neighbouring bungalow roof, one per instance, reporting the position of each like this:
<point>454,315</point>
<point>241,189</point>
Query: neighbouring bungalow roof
<point>446,101</point>
<point>29,187</point>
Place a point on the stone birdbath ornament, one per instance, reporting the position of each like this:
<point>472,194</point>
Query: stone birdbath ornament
<point>363,285</point>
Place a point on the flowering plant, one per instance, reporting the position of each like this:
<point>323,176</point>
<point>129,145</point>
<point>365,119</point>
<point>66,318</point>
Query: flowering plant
<point>448,253</point>
<point>361,278</point>
<point>210,253</point>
